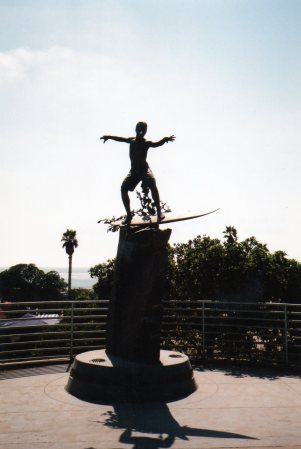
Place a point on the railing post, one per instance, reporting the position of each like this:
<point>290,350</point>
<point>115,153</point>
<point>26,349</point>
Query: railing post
<point>203,328</point>
<point>285,334</point>
<point>72,330</point>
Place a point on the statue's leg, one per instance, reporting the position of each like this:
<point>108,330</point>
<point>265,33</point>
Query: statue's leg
<point>151,182</point>
<point>129,183</point>
<point>127,205</point>
<point>156,198</point>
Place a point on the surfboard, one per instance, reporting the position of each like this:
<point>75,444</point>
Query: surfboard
<point>150,220</point>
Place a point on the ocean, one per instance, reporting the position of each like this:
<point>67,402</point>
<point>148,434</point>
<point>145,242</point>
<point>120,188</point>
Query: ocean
<point>80,276</point>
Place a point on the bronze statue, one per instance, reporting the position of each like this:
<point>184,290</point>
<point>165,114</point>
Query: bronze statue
<point>140,170</point>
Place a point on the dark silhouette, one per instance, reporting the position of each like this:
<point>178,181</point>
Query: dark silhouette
<point>70,242</point>
<point>140,170</point>
<point>157,421</point>
<point>135,310</point>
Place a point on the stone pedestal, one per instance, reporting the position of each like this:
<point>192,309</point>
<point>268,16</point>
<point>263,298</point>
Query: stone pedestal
<point>97,377</point>
<point>135,312</point>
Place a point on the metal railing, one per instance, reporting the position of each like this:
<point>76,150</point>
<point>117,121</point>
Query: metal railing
<point>78,326</point>
<point>238,331</point>
<point>205,330</point>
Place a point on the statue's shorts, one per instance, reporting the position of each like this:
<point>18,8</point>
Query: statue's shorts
<point>134,177</point>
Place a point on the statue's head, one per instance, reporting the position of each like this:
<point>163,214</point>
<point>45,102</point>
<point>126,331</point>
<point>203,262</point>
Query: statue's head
<point>141,129</point>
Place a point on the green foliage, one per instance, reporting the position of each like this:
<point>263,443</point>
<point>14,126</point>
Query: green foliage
<point>83,294</point>
<point>104,272</point>
<point>206,268</point>
<point>26,282</point>
<point>195,268</point>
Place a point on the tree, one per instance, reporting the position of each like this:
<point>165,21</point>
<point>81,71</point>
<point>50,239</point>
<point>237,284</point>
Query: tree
<point>230,235</point>
<point>104,272</point>
<point>232,270</point>
<point>70,242</point>
<point>26,282</point>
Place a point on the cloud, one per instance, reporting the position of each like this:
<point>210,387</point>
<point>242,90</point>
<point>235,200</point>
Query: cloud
<point>14,65</point>
<point>58,63</point>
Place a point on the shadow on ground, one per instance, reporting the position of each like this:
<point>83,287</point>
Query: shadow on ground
<point>157,421</point>
<point>272,373</point>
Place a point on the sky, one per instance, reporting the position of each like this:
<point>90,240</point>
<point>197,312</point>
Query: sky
<point>223,76</point>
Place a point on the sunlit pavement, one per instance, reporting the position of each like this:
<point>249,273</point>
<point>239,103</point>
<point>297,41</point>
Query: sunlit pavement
<point>229,410</point>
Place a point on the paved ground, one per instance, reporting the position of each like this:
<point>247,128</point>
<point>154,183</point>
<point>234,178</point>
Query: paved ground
<point>249,409</point>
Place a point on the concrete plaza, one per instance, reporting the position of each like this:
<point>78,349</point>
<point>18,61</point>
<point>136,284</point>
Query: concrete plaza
<point>242,408</point>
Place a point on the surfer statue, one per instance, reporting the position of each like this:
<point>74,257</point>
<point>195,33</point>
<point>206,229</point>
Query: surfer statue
<point>140,170</point>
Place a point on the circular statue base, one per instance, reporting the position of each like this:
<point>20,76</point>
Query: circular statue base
<point>99,377</point>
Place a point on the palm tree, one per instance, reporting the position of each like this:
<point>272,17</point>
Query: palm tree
<point>70,242</point>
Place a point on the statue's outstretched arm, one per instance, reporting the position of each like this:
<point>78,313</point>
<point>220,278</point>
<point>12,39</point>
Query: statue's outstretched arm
<point>162,141</point>
<point>118,139</point>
